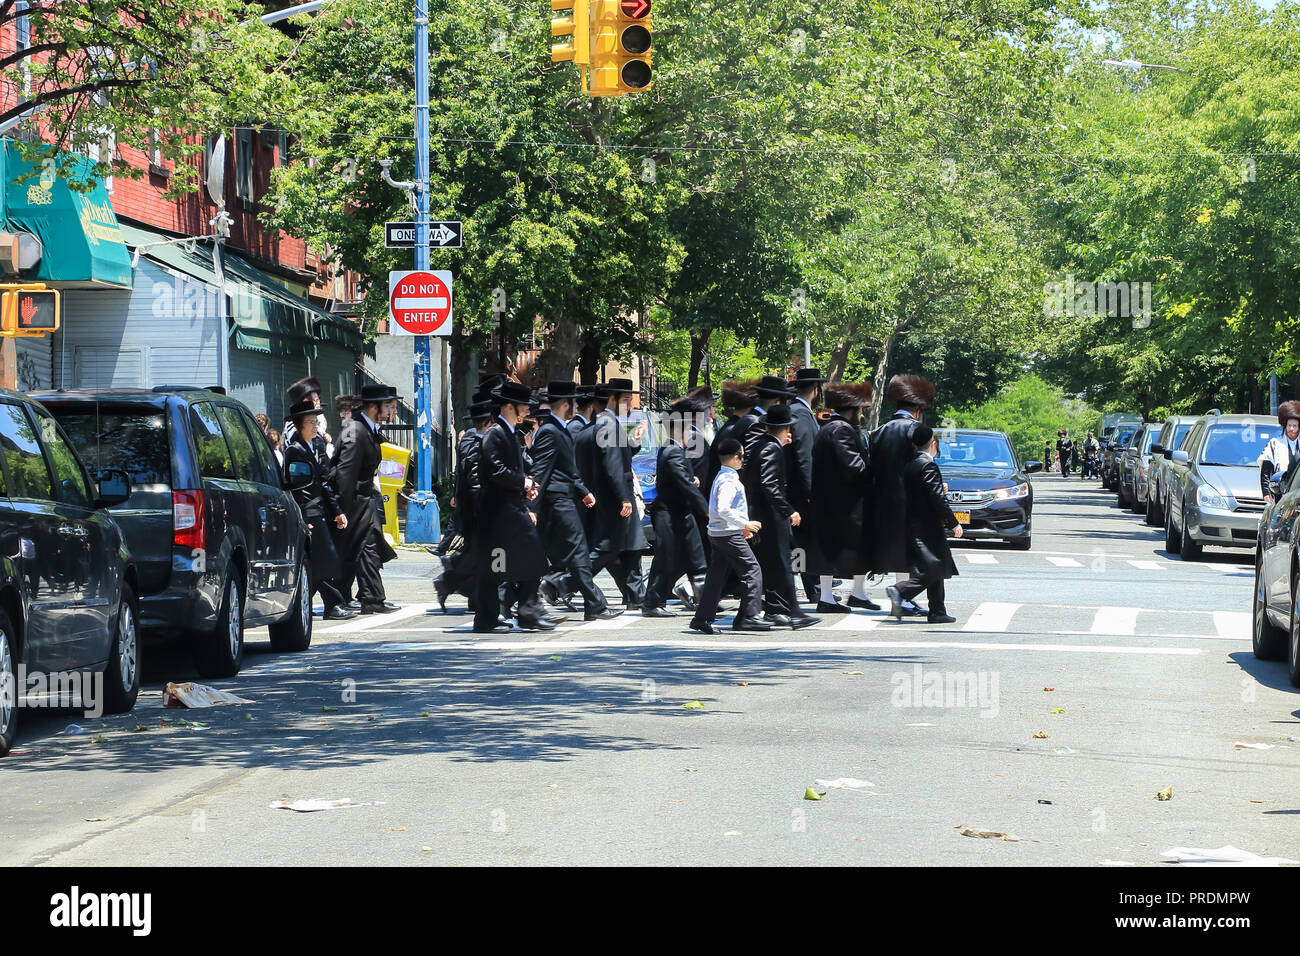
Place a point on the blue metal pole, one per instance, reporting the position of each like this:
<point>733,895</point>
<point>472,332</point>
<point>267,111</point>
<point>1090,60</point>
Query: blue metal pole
<point>422,520</point>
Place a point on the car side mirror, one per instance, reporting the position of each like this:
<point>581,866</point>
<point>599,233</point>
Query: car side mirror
<point>114,487</point>
<point>1157,448</point>
<point>1033,466</point>
<point>1181,457</point>
<point>297,475</point>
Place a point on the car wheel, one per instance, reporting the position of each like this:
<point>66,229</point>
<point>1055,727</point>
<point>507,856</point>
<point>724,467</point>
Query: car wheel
<point>1150,516</point>
<point>1188,549</point>
<point>1121,496</point>
<point>294,632</point>
<point>122,676</point>
<point>1171,535</point>
<point>1293,645</point>
<point>1020,544</point>
<point>1267,641</point>
<point>1140,507</point>
<point>8,685</point>
<point>221,652</point>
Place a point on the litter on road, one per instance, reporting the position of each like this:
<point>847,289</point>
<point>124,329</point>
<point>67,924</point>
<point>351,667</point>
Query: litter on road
<point>73,729</point>
<point>1240,746</point>
<point>190,694</point>
<point>983,834</point>
<point>1223,856</point>
<point>312,805</point>
<point>844,783</point>
<point>1166,794</point>
<point>810,794</point>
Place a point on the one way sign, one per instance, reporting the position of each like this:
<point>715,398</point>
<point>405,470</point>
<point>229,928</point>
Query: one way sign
<point>442,235</point>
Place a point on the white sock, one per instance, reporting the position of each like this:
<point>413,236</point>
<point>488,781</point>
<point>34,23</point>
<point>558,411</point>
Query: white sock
<point>828,589</point>
<point>860,586</point>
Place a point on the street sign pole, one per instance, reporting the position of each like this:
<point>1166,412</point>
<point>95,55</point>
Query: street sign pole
<point>422,519</point>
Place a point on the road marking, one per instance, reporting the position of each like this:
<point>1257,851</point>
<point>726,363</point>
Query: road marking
<point>1147,565</point>
<point>1115,620</point>
<point>1179,636</point>
<point>376,620</point>
<point>982,558</point>
<point>991,617</point>
<point>1233,624</point>
<point>851,622</point>
<point>1063,562</point>
<point>730,645</point>
<point>623,620</point>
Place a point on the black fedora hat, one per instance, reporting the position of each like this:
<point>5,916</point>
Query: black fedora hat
<point>615,386</point>
<point>302,389</point>
<point>479,410</point>
<point>778,416</point>
<point>774,386</point>
<point>808,376</point>
<point>376,393</point>
<point>512,393</point>
<point>303,409</point>
<point>558,390</point>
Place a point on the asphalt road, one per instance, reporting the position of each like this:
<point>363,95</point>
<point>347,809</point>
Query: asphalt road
<point>578,747</point>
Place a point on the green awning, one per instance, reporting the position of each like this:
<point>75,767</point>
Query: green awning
<point>268,317</point>
<point>80,238</point>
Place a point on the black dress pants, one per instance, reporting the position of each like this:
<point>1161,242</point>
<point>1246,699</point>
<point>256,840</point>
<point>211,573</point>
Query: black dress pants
<point>561,528</point>
<point>731,555</point>
<point>934,592</point>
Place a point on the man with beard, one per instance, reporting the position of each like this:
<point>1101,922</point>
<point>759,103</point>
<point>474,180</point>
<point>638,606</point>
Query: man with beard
<point>807,384</point>
<point>560,491</point>
<point>892,448</point>
<point>840,483</point>
<point>676,514</point>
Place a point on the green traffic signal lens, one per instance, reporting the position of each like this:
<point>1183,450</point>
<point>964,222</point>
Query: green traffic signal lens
<point>635,39</point>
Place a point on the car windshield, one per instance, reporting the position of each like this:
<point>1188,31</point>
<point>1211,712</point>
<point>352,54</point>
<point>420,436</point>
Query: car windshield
<point>981,451</point>
<point>1147,439</point>
<point>1237,446</point>
<point>134,441</point>
<point>1124,435</point>
<point>1180,432</point>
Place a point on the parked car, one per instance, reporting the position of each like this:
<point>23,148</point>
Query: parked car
<point>1133,466</point>
<point>1111,451</point>
<point>1275,624</point>
<point>1169,440</point>
<point>219,541</point>
<point>988,489</point>
<point>1111,421</point>
<point>68,585</point>
<point>1213,494</point>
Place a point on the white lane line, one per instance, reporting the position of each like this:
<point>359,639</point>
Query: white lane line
<point>982,558</point>
<point>370,621</point>
<point>1115,620</point>
<point>1232,624</point>
<point>850,622</point>
<point>991,617</point>
<point>730,645</point>
<point>1147,565</point>
<point>1064,562</point>
<point>1146,637</point>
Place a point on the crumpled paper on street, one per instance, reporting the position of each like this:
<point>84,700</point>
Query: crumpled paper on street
<point>844,783</point>
<point>312,805</point>
<point>1223,856</point>
<point>190,694</point>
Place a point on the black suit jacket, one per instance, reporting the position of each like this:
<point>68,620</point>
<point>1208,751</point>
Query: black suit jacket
<point>355,465</point>
<point>890,448</point>
<point>743,428</point>
<point>799,455</point>
<point>554,459</point>
<point>505,527</point>
<point>675,490</point>
<point>765,484</point>
<point>603,445</point>
<point>929,519</point>
<point>840,484</point>
<point>467,480</point>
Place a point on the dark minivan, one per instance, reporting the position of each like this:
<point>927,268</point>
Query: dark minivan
<point>67,610</point>
<point>219,542</point>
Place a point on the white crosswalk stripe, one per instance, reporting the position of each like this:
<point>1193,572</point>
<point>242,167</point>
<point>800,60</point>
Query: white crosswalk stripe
<point>1146,565</point>
<point>1064,562</point>
<point>982,558</point>
<point>373,621</point>
<point>1115,620</point>
<point>991,616</point>
<point>850,622</point>
<point>1232,624</point>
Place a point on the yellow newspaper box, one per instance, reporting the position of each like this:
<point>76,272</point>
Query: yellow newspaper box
<point>392,476</point>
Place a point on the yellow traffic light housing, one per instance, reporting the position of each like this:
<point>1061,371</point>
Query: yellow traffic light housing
<point>576,25</point>
<point>28,309</point>
<point>620,47</point>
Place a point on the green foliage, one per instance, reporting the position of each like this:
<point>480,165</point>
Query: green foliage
<point>1030,411</point>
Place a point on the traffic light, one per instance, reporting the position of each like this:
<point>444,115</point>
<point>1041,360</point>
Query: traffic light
<point>620,47</point>
<point>575,25</point>
<point>28,311</point>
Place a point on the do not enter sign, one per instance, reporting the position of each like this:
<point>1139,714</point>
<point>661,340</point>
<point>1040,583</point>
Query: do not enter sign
<point>419,303</point>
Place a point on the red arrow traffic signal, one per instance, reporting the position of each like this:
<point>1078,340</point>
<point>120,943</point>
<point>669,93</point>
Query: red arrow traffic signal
<point>635,9</point>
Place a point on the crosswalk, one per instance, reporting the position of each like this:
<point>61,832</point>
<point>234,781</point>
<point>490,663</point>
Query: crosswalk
<point>1237,565</point>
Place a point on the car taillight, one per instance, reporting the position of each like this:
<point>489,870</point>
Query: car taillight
<point>187,520</point>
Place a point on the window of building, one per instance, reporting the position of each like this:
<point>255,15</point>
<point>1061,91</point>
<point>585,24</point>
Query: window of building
<point>244,164</point>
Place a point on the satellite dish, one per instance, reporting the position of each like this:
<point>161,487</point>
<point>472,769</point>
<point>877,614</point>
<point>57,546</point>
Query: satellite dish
<point>217,172</point>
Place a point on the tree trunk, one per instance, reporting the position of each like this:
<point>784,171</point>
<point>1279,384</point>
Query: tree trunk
<point>561,355</point>
<point>878,381</point>
<point>699,345</point>
<point>839,359</point>
<point>588,361</point>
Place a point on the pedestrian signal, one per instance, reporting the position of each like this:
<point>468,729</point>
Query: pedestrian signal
<point>31,311</point>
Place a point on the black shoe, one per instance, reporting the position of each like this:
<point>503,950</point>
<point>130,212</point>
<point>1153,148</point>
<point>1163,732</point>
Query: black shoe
<point>632,606</point>
<point>806,621</point>
<point>554,619</point>
<point>339,613</point>
<point>538,625</point>
<point>933,618</point>
<point>704,627</point>
<point>377,609</point>
<point>443,592</point>
<point>867,603</point>
<point>656,612</point>
<point>685,596</point>
<point>391,606</point>
<point>499,628</point>
<point>750,624</point>
<point>777,620</point>
<point>914,610</point>
<point>565,603</point>
<point>549,591</point>
<point>606,615</point>
<point>351,605</point>
<point>895,602</point>
<point>824,607</point>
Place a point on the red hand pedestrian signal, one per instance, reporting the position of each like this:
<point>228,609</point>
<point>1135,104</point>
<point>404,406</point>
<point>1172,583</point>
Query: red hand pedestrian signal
<point>635,9</point>
<point>28,310</point>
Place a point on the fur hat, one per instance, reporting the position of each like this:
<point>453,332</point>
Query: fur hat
<point>703,393</point>
<point>690,404</point>
<point>1287,410</point>
<point>910,390</point>
<point>841,395</point>
<point>739,394</point>
<point>302,389</point>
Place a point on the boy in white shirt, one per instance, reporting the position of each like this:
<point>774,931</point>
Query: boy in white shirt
<point>729,527</point>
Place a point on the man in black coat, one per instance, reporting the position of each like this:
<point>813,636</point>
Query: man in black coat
<point>677,513</point>
<point>606,450</point>
<point>699,433</point>
<point>320,509</point>
<point>807,384</point>
<point>891,448</point>
<point>928,523</point>
<point>562,496</point>
<point>741,399</point>
<point>840,484</point>
<point>765,482</point>
<point>354,473</point>
<point>458,570</point>
<point>509,547</point>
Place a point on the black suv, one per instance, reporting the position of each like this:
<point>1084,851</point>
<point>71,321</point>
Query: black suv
<point>219,542</point>
<point>67,584</point>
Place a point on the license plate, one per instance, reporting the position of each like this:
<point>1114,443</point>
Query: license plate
<point>963,517</point>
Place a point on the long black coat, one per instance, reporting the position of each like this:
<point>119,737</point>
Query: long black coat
<point>929,519</point>
<point>604,448</point>
<point>679,509</point>
<point>769,504</point>
<point>890,447</point>
<point>467,482</point>
<point>561,492</point>
<point>743,428</point>
<point>354,472</point>
<point>319,506</point>
<point>799,454</point>
<point>508,541</point>
<point>583,462</point>
<point>840,484</point>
